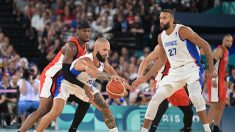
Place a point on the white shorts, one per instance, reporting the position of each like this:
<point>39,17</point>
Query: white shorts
<point>179,77</point>
<point>50,85</point>
<point>46,84</point>
<point>68,88</point>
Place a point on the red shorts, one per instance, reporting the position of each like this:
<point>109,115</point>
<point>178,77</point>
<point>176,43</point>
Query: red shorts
<point>217,94</point>
<point>179,98</point>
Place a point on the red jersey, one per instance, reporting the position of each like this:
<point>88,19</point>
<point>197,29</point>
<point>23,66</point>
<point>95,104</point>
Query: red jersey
<point>163,71</point>
<point>221,64</point>
<point>56,65</point>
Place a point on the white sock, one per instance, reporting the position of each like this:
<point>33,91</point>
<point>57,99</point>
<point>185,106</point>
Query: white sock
<point>144,129</point>
<point>113,129</point>
<point>206,127</point>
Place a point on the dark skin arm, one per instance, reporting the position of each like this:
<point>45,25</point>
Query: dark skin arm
<point>162,58</point>
<point>187,34</point>
<point>69,51</point>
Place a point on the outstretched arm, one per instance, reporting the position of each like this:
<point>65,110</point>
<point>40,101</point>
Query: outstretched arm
<point>162,58</point>
<point>145,62</point>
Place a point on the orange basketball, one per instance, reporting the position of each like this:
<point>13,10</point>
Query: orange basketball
<point>115,89</point>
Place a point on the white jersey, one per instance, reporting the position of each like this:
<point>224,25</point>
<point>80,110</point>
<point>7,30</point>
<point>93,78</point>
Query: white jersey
<point>68,88</point>
<point>84,76</point>
<point>179,52</point>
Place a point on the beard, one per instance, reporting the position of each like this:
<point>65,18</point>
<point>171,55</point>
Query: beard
<point>100,57</point>
<point>166,26</point>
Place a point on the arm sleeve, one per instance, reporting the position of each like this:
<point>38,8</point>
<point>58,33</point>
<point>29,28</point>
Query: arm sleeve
<point>69,75</point>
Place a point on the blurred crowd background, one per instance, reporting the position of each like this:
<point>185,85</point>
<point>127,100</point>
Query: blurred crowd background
<point>130,25</point>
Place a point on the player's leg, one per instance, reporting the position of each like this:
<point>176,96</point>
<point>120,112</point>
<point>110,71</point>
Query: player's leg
<point>161,110</point>
<point>212,111</point>
<point>44,107</point>
<point>213,94</point>
<point>188,117</point>
<point>45,103</point>
<point>56,110</point>
<point>80,112</point>
<point>198,101</point>
<point>60,98</point>
<point>221,104</point>
<point>162,93</point>
<point>103,107</point>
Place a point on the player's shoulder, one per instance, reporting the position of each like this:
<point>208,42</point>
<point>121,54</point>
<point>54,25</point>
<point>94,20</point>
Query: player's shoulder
<point>184,28</point>
<point>218,49</point>
<point>86,59</point>
<point>69,47</point>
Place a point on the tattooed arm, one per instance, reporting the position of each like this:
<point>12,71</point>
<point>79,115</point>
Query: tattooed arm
<point>87,65</point>
<point>104,76</point>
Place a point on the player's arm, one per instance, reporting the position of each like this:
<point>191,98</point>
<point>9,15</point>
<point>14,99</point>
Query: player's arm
<point>187,34</point>
<point>217,54</point>
<point>85,64</point>
<point>108,73</point>
<point>69,51</point>
<point>109,69</point>
<point>160,62</point>
<point>144,63</point>
<point>162,58</point>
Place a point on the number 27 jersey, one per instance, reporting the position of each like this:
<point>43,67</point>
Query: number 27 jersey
<point>179,52</point>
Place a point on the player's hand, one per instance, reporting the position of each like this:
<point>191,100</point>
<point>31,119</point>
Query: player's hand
<point>138,81</point>
<point>211,74</point>
<point>214,83</point>
<point>118,78</point>
<point>127,86</point>
<point>88,92</point>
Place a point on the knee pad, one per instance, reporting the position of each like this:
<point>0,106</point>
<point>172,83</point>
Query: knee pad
<point>198,102</point>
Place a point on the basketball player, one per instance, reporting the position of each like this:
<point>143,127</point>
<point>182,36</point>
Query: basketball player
<point>179,98</point>
<point>87,69</point>
<point>217,88</point>
<point>51,76</point>
<point>179,44</point>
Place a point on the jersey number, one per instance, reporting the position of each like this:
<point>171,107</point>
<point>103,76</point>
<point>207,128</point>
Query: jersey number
<point>172,51</point>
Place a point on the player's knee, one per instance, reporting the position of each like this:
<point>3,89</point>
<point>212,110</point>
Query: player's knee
<point>55,112</point>
<point>42,111</point>
<point>198,102</point>
<point>158,98</point>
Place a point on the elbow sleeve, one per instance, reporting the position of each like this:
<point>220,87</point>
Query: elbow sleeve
<point>69,75</point>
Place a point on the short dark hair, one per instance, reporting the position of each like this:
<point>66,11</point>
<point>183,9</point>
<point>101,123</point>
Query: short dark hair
<point>168,11</point>
<point>83,24</point>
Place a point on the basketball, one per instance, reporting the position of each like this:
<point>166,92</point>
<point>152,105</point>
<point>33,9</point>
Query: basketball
<point>115,89</point>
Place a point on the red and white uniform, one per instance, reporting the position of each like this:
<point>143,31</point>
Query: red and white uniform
<point>218,94</point>
<point>179,98</point>
<point>51,76</point>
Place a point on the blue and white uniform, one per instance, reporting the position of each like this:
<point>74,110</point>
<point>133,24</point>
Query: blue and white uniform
<point>185,68</point>
<point>184,58</point>
<point>68,88</point>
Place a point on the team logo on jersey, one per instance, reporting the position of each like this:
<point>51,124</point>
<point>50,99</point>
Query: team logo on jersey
<point>171,43</point>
